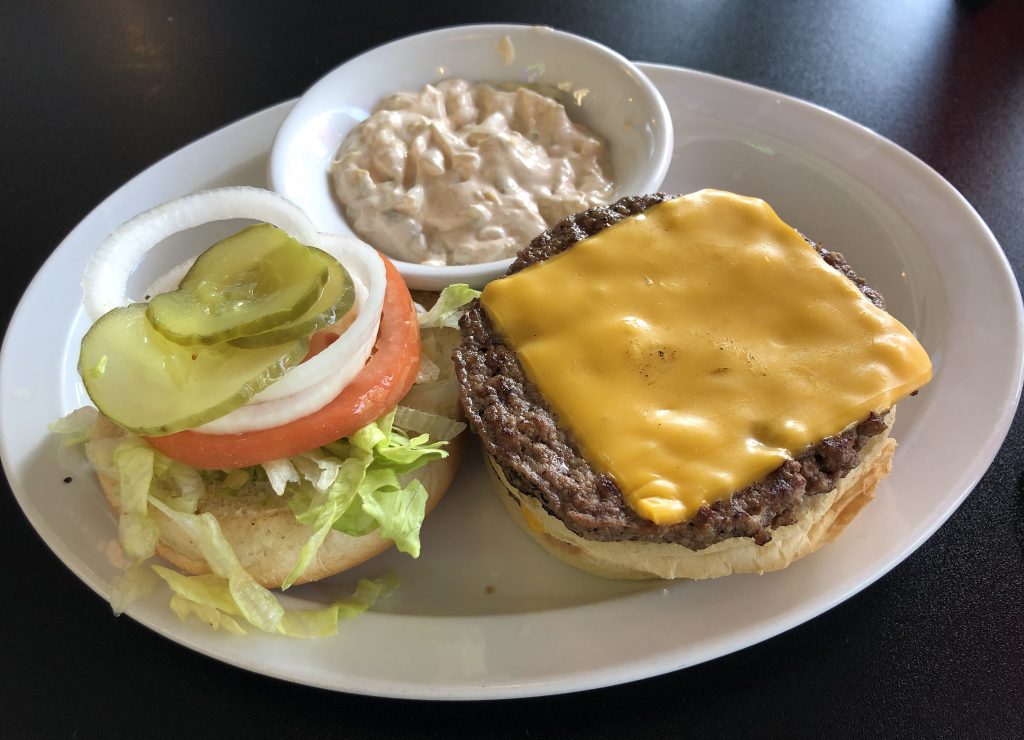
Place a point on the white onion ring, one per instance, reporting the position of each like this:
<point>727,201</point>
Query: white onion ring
<point>105,281</point>
<point>304,389</point>
<point>318,381</point>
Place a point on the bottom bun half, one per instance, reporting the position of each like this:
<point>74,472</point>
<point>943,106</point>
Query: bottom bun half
<point>263,531</point>
<point>823,520</point>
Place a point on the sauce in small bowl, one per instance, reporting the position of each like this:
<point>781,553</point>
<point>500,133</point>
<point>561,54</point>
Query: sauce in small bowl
<point>601,91</point>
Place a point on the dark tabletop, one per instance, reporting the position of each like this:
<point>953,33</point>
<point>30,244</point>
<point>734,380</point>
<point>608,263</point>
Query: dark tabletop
<point>94,92</point>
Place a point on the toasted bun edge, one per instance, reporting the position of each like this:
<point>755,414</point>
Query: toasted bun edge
<point>266,537</point>
<point>823,520</point>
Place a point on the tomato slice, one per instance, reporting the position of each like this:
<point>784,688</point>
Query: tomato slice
<point>384,380</point>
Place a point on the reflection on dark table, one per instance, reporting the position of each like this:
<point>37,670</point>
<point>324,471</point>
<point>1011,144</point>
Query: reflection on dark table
<point>96,92</point>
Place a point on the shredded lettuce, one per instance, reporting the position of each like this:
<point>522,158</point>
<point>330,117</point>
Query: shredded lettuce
<point>399,511</point>
<point>364,493</point>
<point>434,425</point>
<point>206,596</point>
<point>134,461</point>
<point>352,486</point>
<point>280,473</point>
<point>209,589</point>
<point>75,427</point>
<point>211,599</point>
<point>319,467</point>
<point>323,622</point>
<point>355,522</point>
<point>234,480</point>
<point>214,617</point>
<point>409,454</point>
<point>373,435</point>
<point>138,535</point>
<point>448,309</point>
<point>190,486</point>
<point>321,509</point>
<point>255,602</point>
<point>137,582</point>
<point>100,453</point>
<point>311,622</point>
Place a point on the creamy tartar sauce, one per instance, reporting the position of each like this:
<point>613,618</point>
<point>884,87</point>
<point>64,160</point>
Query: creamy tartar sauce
<point>462,172</point>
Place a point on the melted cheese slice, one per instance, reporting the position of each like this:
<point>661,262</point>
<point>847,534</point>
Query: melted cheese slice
<point>693,349</point>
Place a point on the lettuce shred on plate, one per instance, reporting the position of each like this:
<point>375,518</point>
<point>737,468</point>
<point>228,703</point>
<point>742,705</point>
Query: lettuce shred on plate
<point>351,485</point>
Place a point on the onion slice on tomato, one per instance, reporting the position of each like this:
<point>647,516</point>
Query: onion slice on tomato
<point>383,382</point>
<point>317,381</point>
<point>105,281</point>
<point>305,388</point>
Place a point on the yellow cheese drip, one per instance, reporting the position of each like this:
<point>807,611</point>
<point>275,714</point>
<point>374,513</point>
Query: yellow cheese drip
<point>692,349</point>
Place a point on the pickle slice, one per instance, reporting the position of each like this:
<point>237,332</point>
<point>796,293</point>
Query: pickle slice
<point>335,301</point>
<point>151,385</point>
<point>249,283</point>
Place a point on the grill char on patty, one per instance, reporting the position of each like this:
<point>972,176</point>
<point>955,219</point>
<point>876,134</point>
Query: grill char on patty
<point>521,433</point>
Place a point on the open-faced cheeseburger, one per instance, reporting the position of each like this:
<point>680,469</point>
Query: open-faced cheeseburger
<point>683,387</point>
<point>273,413</point>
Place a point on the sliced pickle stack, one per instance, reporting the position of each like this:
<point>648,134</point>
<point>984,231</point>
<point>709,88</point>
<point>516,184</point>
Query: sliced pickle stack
<point>241,316</point>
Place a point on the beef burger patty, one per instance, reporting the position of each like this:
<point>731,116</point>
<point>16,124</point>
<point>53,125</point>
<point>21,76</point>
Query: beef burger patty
<point>519,430</point>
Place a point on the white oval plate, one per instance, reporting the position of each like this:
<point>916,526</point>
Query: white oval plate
<point>484,613</point>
